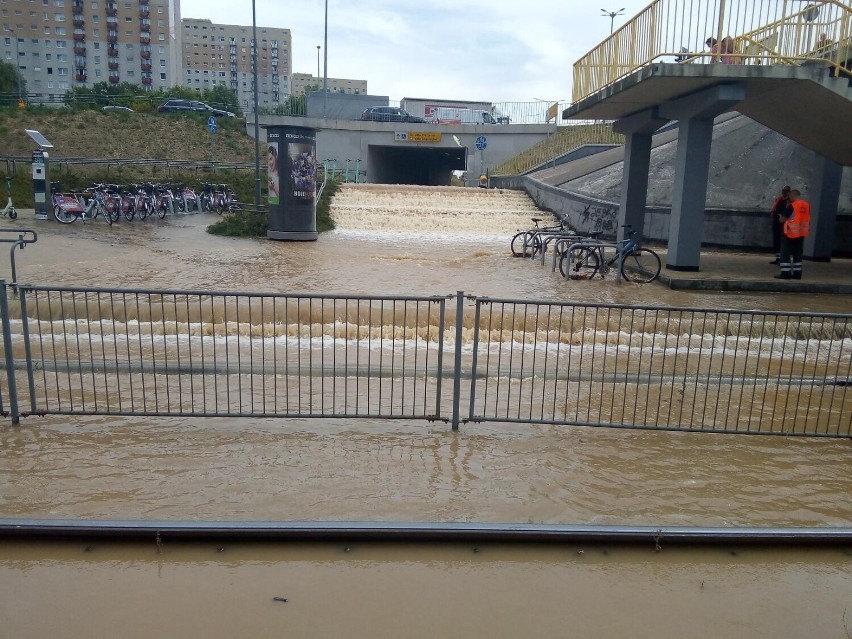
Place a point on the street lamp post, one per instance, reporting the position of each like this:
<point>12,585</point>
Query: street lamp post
<point>325,64</point>
<point>612,15</point>
<point>256,114</point>
<point>319,46</point>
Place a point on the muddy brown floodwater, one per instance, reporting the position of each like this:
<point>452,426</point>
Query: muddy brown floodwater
<point>394,240</point>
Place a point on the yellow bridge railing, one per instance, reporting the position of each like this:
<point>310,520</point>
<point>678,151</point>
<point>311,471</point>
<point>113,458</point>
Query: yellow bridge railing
<point>721,32</point>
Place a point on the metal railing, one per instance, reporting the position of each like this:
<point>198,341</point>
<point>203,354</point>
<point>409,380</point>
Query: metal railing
<point>89,351</point>
<point>720,31</point>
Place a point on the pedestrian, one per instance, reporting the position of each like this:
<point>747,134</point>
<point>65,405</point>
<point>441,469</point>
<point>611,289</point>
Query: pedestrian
<point>797,226</point>
<point>777,209</point>
<point>728,49</point>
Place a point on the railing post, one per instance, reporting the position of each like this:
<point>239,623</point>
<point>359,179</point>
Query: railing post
<point>457,364</point>
<point>10,359</point>
<point>474,359</point>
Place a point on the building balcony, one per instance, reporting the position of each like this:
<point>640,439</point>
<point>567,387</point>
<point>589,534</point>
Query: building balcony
<point>77,9</point>
<point>79,50</point>
<point>145,28</point>
<point>146,66</point>
<point>147,81</point>
<point>145,54</point>
<point>113,66</point>
<point>112,52</point>
<point>114,79</point>
<point>112,40</point>
<point>144,39</point>
<point>79,37</point>
<point>80,77</point>
<point>112,10</point>
<point>112,22</point>
<point>144,12</point>
<point>79,22</point>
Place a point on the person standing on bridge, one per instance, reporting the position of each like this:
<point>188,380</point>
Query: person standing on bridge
<point>797,226</point>
<point>781,203</point>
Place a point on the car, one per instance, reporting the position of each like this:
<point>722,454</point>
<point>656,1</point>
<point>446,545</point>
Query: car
<point>175,105</point>
<point>121,109</point>
<point>389,114</point>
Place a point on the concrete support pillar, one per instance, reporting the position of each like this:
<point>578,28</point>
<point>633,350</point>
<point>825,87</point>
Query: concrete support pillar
<point>696,113</point>
<point>823,198</point>
<point>638,130</point>
<point>692,167</point>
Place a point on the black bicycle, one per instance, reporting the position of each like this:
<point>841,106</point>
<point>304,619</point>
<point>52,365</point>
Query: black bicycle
<point>584,261</point>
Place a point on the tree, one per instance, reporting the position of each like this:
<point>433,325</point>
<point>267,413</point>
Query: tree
<point>222,97</point>
<point>9,78</point>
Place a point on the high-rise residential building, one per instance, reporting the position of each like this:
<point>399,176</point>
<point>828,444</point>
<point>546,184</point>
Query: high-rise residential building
<point>300,81</point>
<point>221,54</point>
<point>60,44</point>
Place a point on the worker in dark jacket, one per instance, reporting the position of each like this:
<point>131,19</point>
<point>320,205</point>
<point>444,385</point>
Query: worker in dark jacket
<point>775,213</point>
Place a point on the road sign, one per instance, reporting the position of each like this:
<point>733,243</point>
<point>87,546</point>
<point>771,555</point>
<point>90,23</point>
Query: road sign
<point>211,124</point>
<point>481,143</point>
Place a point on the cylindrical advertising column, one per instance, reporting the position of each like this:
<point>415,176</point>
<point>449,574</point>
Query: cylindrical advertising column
<point>291,179</point>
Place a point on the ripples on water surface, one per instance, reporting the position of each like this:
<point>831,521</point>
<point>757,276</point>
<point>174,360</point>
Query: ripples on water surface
<point>393,241</point>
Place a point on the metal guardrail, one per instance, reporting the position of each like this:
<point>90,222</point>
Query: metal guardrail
<point>720,31</point>
<point>151,162</point>
<point>89,351</point>
<point>24,237</point>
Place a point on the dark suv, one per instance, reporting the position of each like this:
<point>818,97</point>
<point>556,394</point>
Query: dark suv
<point>389,114</point>
<point>177,106</point>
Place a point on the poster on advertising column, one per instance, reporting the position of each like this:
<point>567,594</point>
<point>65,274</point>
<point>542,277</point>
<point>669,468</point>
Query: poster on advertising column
<point>273,173</point>
<point>301,183</point>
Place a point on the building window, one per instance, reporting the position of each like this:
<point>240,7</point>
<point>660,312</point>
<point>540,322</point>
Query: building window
<point>162,76</point>
<point>159,8</point>
<point>162,50</point>
<point>50,84</point>
<point>161,37</point>
<point>59,17</point>
<point>60,44</point>
<point>58,3</point>
<point>60,30</point>
<point>97,73</point>
<point>62,71</point>
<point>97,59</point>
<point>96,19</point>
<point>162,63</point>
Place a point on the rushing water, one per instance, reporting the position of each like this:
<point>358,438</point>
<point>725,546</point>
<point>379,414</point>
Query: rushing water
<point>393,240</point>
<point>419,241</point>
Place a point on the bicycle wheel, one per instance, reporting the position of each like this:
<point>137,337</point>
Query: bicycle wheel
<point>534,245</point>
<point>517,244</point>
<point>106,214</point>
<point>114,210</point>
<point>161,210</point>
<point>143,209</point>
<point>63,216</point>
<point>583,262</point>
<point>641,266</point>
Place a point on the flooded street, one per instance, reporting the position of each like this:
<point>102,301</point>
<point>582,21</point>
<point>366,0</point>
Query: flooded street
<point>409,241</point>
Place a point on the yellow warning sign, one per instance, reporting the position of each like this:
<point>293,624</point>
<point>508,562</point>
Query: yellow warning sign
<point>423,136</point>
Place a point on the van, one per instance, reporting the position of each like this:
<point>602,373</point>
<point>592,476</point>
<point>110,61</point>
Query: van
<point>454,115</point>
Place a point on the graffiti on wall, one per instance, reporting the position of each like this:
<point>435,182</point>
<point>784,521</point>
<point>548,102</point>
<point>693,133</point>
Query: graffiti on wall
<point>598,218</point>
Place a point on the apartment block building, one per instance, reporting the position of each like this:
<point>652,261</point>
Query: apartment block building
<point>300,81</point>
<point>221,54</point>
<point>60,44</point>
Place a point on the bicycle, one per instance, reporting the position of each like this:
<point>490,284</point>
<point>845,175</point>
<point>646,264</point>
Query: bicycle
<point>528,243</point>
<point>584,261</point>
<point>68,207</point>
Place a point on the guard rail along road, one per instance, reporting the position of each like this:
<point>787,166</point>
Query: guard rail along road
<point>452,358</point>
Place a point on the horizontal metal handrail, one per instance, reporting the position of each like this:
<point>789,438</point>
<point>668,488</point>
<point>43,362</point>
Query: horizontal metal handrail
<point>653,536</point>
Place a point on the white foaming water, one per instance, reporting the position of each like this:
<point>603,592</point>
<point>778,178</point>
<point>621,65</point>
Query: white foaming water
<point>417,211</point>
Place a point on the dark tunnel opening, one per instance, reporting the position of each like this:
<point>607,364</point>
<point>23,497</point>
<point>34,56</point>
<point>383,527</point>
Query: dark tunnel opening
<point>427,166</point>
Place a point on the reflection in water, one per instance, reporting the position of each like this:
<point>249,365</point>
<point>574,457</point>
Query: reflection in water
<point>403,241</point>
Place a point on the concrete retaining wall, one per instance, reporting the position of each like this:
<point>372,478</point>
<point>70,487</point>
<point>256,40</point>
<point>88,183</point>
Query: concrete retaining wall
<point>747,230</point>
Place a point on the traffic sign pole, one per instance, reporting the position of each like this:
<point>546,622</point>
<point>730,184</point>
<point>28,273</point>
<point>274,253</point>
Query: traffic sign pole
<point>211,125</point>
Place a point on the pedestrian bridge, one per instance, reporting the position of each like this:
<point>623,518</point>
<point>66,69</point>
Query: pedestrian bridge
<point>407,153</point>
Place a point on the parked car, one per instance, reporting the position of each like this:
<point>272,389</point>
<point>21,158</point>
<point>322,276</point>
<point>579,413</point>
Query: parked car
<point>389,114</point>
<point>175,105</point>
<point>120,109</point>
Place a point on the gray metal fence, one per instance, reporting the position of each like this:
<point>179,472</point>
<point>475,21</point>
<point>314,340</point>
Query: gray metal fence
<point>88,351</point>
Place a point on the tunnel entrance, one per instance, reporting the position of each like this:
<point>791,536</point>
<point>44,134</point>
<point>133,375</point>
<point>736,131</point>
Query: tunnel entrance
<point>427,166</point>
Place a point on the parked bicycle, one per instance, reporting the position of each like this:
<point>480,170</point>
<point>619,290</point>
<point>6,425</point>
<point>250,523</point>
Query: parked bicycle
<point>585,260</point>
<point>70,207</point>
<point>527,243</point>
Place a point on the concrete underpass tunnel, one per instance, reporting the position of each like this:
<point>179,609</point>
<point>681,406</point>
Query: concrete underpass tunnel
<point>428,166</point>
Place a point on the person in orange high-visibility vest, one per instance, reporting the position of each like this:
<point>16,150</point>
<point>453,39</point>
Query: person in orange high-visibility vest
<point>797,226</point>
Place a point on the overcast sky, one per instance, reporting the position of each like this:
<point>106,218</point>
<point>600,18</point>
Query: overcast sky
<point>495,51</point>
